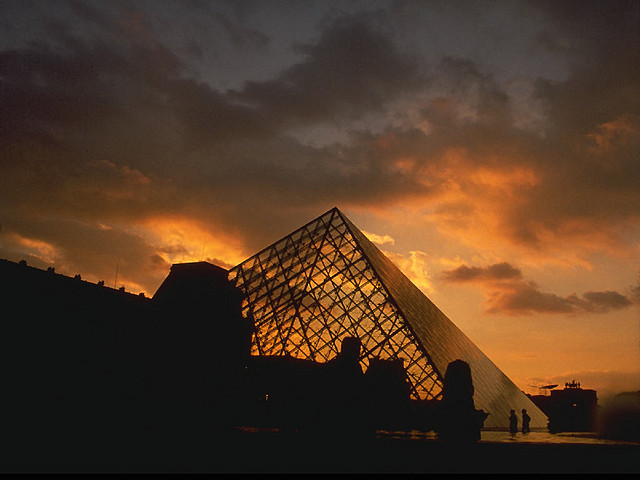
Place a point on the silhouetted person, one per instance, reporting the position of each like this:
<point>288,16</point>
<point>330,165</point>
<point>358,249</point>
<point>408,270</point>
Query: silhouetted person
<point>460,421</point>
<point>513,423</point>
<point>525,421</point>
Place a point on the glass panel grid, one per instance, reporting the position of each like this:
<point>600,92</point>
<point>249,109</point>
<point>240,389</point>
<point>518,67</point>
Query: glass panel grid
<point>313,288</point>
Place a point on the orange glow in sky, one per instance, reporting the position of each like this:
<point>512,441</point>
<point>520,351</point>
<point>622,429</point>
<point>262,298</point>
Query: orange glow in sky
<point>486,147</point>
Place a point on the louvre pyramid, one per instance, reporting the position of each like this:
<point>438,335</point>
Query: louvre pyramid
<point>326,281</point>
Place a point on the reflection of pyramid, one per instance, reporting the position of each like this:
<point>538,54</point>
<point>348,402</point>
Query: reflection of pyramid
<point>326,281</point>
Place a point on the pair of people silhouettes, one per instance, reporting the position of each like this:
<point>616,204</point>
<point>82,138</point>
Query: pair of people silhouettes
<point>513,422</point>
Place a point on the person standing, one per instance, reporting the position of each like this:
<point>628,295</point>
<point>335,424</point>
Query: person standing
<point>525,421</point>
<point>513,423</point>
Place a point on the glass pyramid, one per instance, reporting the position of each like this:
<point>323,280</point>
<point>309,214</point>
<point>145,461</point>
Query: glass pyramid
<point>326,281</point>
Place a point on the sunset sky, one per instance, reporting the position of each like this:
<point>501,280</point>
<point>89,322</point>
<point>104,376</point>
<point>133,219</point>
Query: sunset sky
<point>490,148</point>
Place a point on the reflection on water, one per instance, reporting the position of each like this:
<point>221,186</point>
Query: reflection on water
<point>498,436</point>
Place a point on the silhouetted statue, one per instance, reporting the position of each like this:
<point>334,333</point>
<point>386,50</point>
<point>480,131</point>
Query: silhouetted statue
<point>389,393</point>
<point>350,354</point>
<point>460,421</point>
<point>346,370</point>
<point>525,421</point>
<point>345,390</point>
<point>513,422</point>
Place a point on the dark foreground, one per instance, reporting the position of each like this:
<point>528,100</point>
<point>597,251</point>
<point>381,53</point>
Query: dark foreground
<point>272,452</point>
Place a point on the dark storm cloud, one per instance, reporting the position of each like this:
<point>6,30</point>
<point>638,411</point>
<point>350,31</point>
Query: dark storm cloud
<point>525,298</point>
<point>242,37</point>
<point>110,129</point>
<point>136,95</point>
<point>604,301</point>
<point>509,293</point>
<point>589,155</point>
<point>94,133</point>
<point>581,152</point>
<point>499,271</point>
<point>351,69</point>
<point>65,111</point>
<point>106,122</point>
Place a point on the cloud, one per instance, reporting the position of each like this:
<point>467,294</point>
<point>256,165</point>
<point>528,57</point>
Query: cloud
<point>499,271</point>
<point>379,239</point>
<point>604,301</point>
<point>83,120</point>
<point>525,298</point>
<point>415,266</point>
<point>508,292</point>
<point>241,36</point>
<point>108,123</point>
<point>578,168</point>
<point>75,247</point>
<point>351,69</point>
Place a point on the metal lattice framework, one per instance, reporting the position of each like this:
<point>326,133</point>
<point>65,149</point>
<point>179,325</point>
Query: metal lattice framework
<point>316,286</point>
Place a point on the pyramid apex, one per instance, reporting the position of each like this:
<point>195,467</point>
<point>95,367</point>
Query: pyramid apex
<point>338,211</point>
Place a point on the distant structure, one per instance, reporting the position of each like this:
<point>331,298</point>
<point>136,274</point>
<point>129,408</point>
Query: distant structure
<point>326,280</point>
<point>572,409</point>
